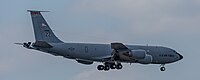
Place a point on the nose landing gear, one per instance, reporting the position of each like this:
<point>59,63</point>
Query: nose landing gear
<point>162,68</point>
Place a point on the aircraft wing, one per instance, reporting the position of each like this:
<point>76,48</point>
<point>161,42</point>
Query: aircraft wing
<point>120,52</point>
<point>118,46</point>
<point>118,49</point>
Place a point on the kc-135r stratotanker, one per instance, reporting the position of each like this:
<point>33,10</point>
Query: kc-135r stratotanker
<point>110,55</point>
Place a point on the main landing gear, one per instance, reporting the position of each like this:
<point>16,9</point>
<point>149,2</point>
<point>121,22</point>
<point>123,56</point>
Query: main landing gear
<point>107,67</point>
<point>162,68</point>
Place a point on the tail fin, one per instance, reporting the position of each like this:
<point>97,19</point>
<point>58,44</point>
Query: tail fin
<point>41,29</point>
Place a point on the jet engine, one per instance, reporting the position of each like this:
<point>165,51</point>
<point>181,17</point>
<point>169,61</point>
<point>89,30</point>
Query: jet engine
<point>147,60</point>
<point>137,54</point>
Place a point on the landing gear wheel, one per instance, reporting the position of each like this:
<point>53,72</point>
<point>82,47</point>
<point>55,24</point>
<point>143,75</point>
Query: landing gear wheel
<point>112,66</point>
<point>119,66</point>
<point>100,67</point>
<point>107,67</point>
<point>162,69</point>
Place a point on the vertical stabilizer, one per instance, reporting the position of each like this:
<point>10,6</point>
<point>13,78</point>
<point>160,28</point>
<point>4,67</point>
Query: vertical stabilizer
<point>41,29</point>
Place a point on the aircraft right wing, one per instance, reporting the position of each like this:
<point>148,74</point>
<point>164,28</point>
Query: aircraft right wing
<point>123,53</point>
<point>120,52</point>
<point>118,46</point>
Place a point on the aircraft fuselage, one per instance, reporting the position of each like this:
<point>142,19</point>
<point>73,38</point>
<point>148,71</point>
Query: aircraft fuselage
<point>95,52</point>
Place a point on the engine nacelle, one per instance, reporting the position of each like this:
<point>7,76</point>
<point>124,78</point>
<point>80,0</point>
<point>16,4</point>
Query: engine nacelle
<point>147,60</point>
<point>138,54</point>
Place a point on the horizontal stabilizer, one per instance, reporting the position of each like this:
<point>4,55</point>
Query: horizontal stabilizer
<point>19,43</point>
<point>42,44</point>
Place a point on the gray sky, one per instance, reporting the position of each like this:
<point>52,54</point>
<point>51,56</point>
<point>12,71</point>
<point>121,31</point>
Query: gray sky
<point>171,23</point>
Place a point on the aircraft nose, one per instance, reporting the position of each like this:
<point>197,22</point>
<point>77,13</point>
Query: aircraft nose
<point>180,56</point>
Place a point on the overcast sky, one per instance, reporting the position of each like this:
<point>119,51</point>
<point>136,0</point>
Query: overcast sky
<point>170,23</point>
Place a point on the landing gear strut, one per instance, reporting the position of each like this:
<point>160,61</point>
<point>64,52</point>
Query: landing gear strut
<point>162,68</point>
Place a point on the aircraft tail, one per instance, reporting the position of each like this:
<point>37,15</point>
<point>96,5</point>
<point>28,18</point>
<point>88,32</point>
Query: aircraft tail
<point>41,29</point>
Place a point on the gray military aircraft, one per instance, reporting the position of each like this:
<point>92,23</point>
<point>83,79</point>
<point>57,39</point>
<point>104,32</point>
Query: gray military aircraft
<point>110,55</point>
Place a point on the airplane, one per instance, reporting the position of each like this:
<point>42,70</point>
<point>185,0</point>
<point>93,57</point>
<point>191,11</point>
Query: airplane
<point>111,56</point>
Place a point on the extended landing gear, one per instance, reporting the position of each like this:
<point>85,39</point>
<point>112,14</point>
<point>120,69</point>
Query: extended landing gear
<point>119,66</point>
<point>162,68</point>
<point>100,67</point>
<point>113,66</point>
<point>107,67</point>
